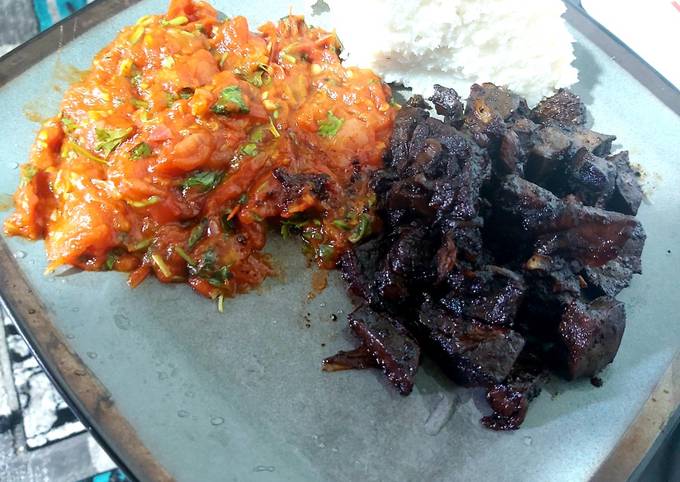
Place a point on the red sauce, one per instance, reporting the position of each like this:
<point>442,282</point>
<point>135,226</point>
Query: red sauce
<point>189,137</point>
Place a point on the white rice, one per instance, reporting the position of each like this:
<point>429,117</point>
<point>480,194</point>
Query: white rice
<point>521,44</point>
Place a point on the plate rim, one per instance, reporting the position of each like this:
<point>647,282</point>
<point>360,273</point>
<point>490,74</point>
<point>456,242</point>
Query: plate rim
<point>91,401</point>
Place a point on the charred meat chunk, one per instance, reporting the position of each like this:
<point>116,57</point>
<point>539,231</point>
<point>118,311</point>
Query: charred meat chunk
<point>590,335</point>
<point>447,103</point>
<point>390,344</point>
<point>358,359</point>
<point>510,399</point>
<point>507,234</point>
<point>564,107</point>
<point>591,178</point>
<point>491,296</point>
<point>610,278</point>
<point>627,195</point>
<point>472,353</point>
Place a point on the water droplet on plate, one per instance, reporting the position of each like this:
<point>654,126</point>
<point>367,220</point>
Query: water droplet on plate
<point>20,254</point>
<point>264,468</point>
<point>527,440</point>
<point>189,394</point>
<point>216,421</point>
<point>182,413</point>
<point>322,305</point>
<point>14,165</point>
<point>75,309</point>
<point>92,355</point>
<point>70,336</point>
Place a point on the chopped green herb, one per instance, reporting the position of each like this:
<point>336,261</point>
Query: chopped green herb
<point>326,251</point>
<point>143,244</point>
<point>230,101</point>
<point>183,254</point>
<point>109,139</point>
<point>186,93</point>
<point>257,217</point>
<point>162,266</point>
<point>68,124</point>
<point>206,180</point>
<point>310,234</point>
<point>136,79</point>
<point>243,199</point>
<point>219,277</point>
<point>175,22</point>
<point>249,149</point>
<point>272,128</point>
<point>142,204</point>
<point>140,151</point>
<point>139,103</point>
<point>341,224</point>
<point>361,230</point>
<point>294,223</point>
<point>28,172</point>
<point>330,126</point>
<point>257,135</point>
<point>110,262</point>
<point>84,152</point>
<point>197,233</point>
<point>171,97</point>
<point>220,303</point>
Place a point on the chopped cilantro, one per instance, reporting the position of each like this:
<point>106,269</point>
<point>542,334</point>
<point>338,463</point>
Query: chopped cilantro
<point>257,135</point>
<point>197,233</point>
<point>183,254</point>
<point>68,124</point>
<point>330,126</point>
<point>326,251</point>
<point>147,202</point>
<point>341,224</point>
<point>219,277</point>
<point>361,230</point>
<point>28,172</point>
<point>140,151</point>
<point>243,199</point>
<point>249,149</point>
<point>109,139</point>
<point>143,244</point>
<point>295,223</point>
<point>230,101</point>
<point>110,262</point>
<point>139,103</point>
<point>206,180</point>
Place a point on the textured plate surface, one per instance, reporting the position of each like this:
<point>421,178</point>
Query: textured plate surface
<point>240,395</point>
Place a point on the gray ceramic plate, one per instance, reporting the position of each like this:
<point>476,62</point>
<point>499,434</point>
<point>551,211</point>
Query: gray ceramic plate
<point>176,390</point>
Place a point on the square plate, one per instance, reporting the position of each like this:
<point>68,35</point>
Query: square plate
<point>176,390</point>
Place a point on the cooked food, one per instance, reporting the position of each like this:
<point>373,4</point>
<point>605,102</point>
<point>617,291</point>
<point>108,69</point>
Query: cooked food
<point>189,135</point>
<point>522,45</point>
<point>494,236</point>
<point>507,234</point>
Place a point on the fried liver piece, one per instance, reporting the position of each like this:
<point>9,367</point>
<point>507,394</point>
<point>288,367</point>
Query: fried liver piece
<point>491,296</point>
<point>627,195</point>
<point>507,233</point>
<point>590,335</point>
<point>471,353</point>
<point>510,399</point>
<point>390,344</point>
<point>564,107</point>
